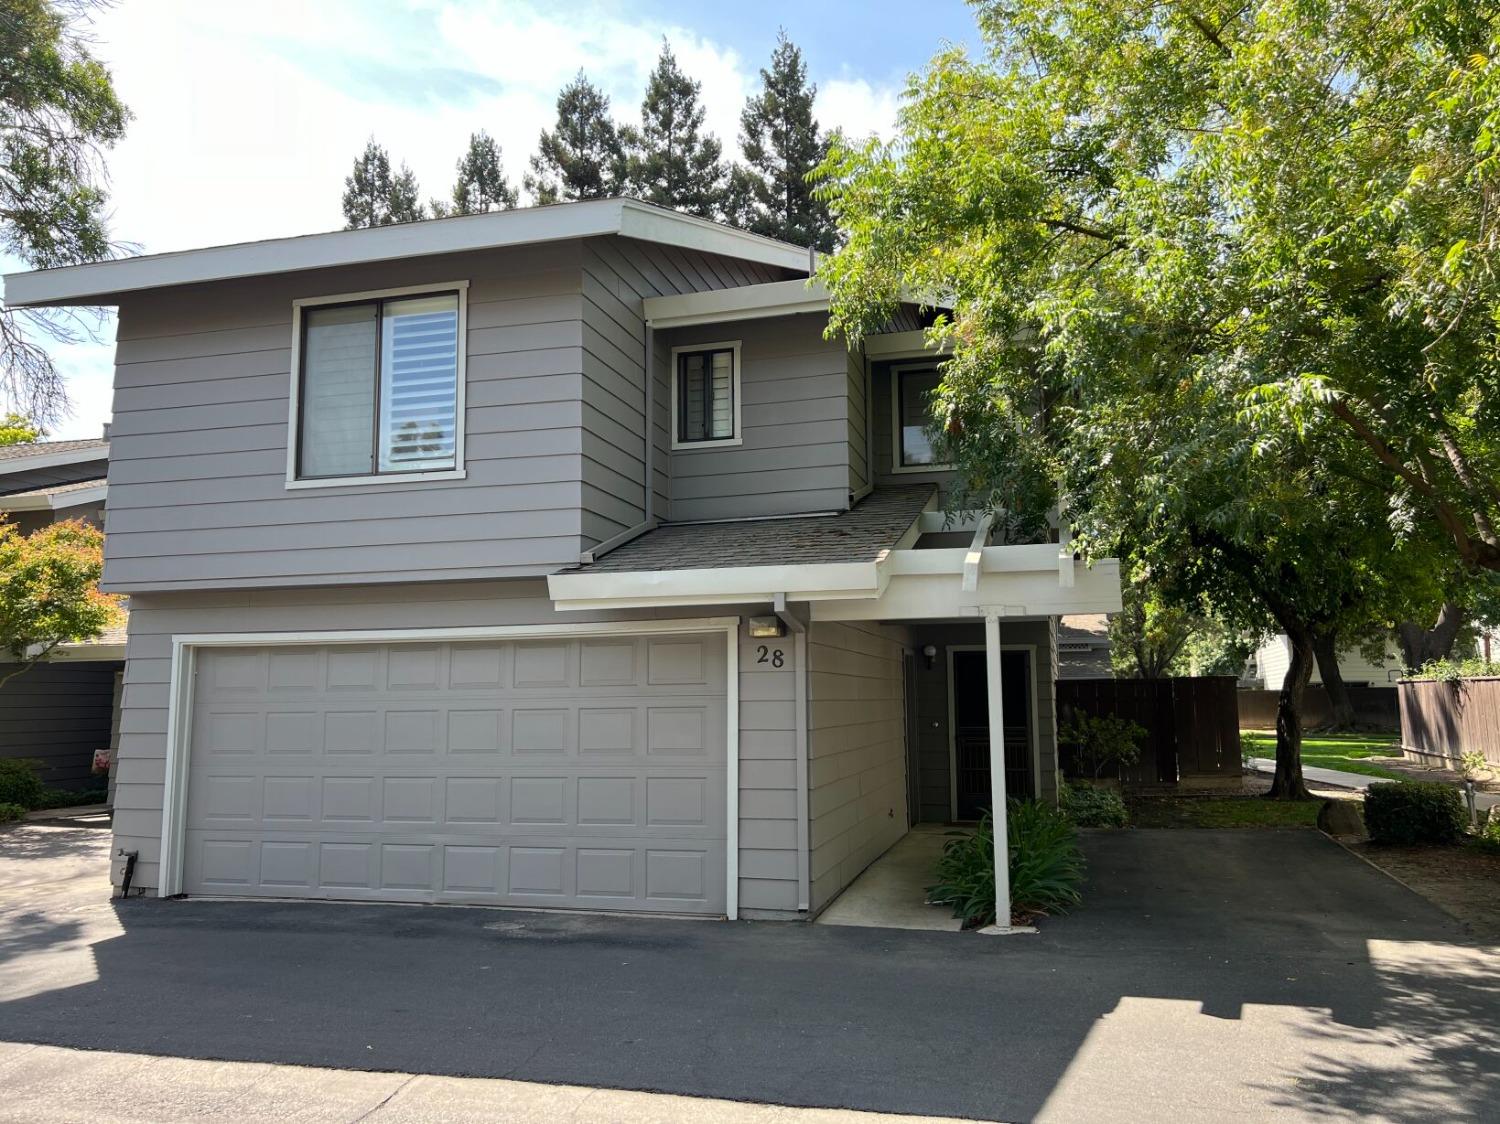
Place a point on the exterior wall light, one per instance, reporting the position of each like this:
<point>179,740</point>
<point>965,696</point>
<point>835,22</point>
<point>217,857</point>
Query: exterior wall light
<point>766,627</point>
<point>929,653</point>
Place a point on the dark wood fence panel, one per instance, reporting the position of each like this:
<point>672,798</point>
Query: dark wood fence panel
<point>1449,719</point>
<point>57,714</point>
<point>1375,708</point>
<point>1192,724</point>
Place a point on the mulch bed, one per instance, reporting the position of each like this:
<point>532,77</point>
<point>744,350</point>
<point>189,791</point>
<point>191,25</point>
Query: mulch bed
<point>1463,881</point>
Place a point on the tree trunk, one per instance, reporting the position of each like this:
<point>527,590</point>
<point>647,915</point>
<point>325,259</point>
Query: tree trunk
<point>1326,651</point>
<point>1287,784</point>
<point>1422,645</point>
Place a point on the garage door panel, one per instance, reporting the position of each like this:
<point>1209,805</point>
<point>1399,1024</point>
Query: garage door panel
<point>576,773</point>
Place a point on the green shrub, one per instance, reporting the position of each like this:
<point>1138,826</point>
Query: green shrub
<point>1452,671</point>
<point>1046,867</point>
<point>71,798</point>
<point>1414,812</point>
<point>9,813</point>
<point>1088,806</point>
<point>19,783</point>
<point>1489,830</point>
<point>1102,741</point>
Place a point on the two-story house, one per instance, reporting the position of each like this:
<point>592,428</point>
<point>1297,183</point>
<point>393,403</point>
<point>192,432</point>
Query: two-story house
<point>548,557</point>
<point>59,711</point>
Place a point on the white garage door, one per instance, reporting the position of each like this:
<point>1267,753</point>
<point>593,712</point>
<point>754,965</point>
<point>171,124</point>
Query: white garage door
<point>582,773</point>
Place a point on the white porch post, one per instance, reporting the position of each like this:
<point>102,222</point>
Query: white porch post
<point>997,769</point>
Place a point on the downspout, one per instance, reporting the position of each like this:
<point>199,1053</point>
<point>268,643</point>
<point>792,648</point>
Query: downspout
<point>798,630</point>
<point>648,462</point>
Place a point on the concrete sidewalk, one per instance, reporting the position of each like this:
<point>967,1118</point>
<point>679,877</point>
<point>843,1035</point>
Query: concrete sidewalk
<point>50,1083</point>
<point>1357,781</point>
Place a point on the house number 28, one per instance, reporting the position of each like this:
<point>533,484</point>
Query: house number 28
<point>773,656</point>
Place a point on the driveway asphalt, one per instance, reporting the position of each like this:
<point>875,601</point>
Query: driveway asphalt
<point>1211,974</point>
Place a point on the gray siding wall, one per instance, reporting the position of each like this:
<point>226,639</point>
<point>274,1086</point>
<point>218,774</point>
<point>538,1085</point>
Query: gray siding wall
<point>768,822</point>
<point>28,521</point>
<point>553,428</point>
<point>930,755</point>
<point>795,453</point>
<point>856,751</point>
<point>57,714</point>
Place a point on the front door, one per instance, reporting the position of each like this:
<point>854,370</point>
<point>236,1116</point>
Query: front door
<point>971,729</point>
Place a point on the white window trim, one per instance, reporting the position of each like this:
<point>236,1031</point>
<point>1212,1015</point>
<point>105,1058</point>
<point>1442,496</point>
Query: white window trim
<point>721,442</point>
<point>895,379</point>
<point>294,421</point>
<point>184,669</point>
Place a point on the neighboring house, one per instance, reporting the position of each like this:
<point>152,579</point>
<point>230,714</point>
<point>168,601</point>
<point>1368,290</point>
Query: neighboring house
<point>59,711</point>
<point>1269,663</point>
<point>548,557</point>
<point>1083,650</point>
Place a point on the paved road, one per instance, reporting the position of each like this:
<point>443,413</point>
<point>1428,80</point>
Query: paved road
<point>1213,974</point>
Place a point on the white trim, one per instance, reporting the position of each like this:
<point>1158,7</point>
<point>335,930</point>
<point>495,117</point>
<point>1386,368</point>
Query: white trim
<point>56,500</point>
<point>998,812</point>
<point>747,302</point>
<point>904,345</point>
<point>183,670</point>
<point>975,556</point>
<point>460,417</point>
<point>732,346</point>
<point>54,459</point>
<point>895,380</point>
<point>103,282</point>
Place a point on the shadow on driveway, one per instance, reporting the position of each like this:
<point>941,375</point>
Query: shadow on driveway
<point>1211,972</point>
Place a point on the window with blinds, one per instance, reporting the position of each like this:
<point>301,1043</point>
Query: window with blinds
<point>379,387</point>
<point>706,388</point>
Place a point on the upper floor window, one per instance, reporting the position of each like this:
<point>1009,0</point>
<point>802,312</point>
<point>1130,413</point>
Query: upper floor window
<point>912,392</point>
<point>378,389</point>
<point>706,395</point>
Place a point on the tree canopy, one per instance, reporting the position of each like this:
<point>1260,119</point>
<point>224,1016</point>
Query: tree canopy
<point>16,429</point>
<point>480,184</point>
<point>582,156</point>
<point>374,196</point>
<point>669,160</point>
<point>58,113</point>
<point>1221,281</point>
<point>771,192</point>
<point>49,590</point>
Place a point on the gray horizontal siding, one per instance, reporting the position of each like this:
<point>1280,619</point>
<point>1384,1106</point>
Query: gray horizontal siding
<point>794,452</point>
<point>768,824</point>
<point>199,443</point>
<point>56,715</point>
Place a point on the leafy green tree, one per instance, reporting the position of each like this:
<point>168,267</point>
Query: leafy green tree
<point>373,196</point>
<point>669,160</point>
<point>49,590</point>
<point>1221,279</point>
<point>16,429</point>
<point>58,113</point>
<point>481,184</point>
<point>581,157</point>
<point>771,192</point>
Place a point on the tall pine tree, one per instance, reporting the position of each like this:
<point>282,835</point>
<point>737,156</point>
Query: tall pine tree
<point>480,185</point>
<point>581,158</point>
<point>670,162</point>
<point>770,193</point>
<point>374,197</point>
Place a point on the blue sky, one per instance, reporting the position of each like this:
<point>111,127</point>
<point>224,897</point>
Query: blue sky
<point>248,113</point>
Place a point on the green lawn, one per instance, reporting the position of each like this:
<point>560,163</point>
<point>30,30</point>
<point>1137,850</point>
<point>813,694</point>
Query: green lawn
<point>1344,752</point>
<point>1162,810</point>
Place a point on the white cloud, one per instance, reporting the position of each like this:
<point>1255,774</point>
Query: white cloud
<point>248,115</point>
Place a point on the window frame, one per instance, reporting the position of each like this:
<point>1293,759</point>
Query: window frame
<point>459,289</point>
<point>897,450</point>
<point>732,346</point>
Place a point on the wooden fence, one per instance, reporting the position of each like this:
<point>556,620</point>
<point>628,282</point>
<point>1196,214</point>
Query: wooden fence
<point>1375,708</point>
<point>1445,720</point>
<point>1192,724</point>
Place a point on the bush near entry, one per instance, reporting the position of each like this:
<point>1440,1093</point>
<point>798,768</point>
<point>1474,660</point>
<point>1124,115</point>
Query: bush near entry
<point>1046,866</point>
<point>1414,812</point>
<point>1088,806</point>
<point>19,783</point>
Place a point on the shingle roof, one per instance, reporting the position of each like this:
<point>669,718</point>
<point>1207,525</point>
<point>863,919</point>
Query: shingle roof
<point>1083,628</point>
<point>55,489</point>
<point>856,535</point>
<point>46,448</point>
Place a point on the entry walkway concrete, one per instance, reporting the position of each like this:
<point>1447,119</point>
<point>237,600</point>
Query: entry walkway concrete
<point>892,892</point>
<point>1357,781</point>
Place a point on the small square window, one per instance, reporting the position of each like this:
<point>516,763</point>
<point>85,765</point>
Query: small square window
<point>706,395</point>
<point>379,386</point>
<point>913,392</point>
